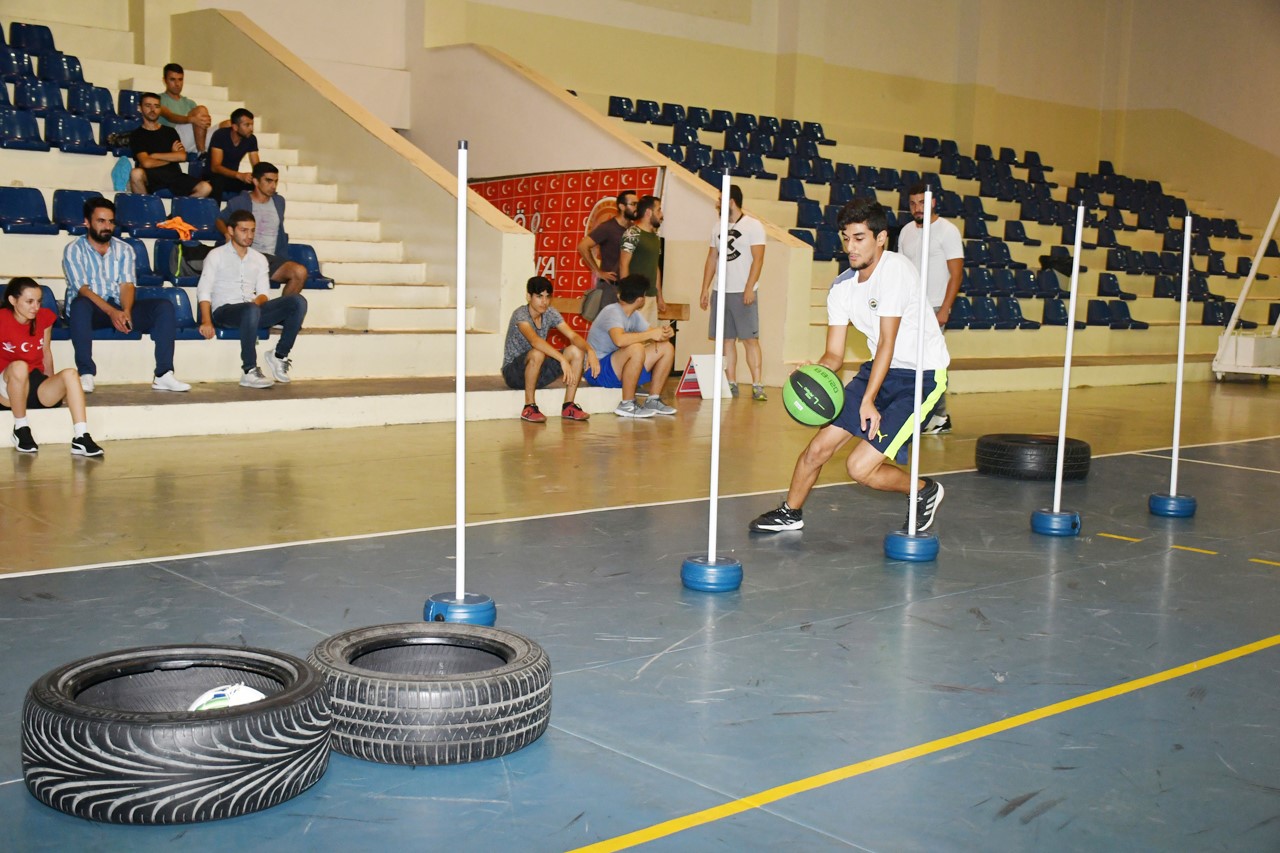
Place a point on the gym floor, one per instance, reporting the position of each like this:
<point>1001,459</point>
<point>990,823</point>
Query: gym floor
<point>1115,690</point>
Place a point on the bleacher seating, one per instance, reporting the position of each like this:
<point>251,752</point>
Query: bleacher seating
<point>1120,318</point>
<point>92,102</point>
<point>39,97</point>
<point>1055,314</point>
<point>301,253</point>
<point>61,69</point>
<point>1008,310</point>
<point>1109,287</point>
<point>137,215</point>
<point>15,65</point>
<point>19,131</point>
<point>145,276</point>
<point>72,134</point>
<point>22,211</point>
<point>620,107</point>
<point>35,39</point>
<point>68,209</point>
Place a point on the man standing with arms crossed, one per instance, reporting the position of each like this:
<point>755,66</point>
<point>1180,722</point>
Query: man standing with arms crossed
<point>743,264</point>
<point>946,269</point>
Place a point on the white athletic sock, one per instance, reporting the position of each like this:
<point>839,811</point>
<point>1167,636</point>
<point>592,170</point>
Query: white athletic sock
<point>79,429</point>
<point>18,423</point>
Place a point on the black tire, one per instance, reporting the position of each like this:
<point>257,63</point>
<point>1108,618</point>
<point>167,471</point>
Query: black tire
<point>434,692</point>
<point>1031,457</point>
<point>109,737</point>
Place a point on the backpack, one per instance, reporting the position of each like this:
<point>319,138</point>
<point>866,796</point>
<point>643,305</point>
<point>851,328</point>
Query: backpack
<point>187,259</point>
<point>591,304</point>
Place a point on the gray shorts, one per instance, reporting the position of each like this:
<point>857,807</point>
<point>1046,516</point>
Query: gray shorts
<point>740,321</point>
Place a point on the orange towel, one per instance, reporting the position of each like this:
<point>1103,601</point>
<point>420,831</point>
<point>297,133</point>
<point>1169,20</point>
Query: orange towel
<point>185,230</point>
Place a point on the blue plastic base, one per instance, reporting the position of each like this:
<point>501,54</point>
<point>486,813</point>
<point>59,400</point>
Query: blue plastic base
<point>1049,523</point>
<point>1172,506</point>
<point>473,609</point>
<point>723,574</point>
<point>920,548</point>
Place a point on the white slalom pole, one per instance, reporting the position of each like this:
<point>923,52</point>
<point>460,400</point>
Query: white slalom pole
<point>919,395</point>
<point>1182,351</point>
<point>460,382</point>
<point>1066,363</point>
<point>722,264</point>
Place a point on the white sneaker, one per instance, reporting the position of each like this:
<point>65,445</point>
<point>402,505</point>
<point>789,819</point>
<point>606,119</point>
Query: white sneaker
<point>255,379</point>
<point>654,404</point>
<point>629,409</point>
<point>279,366</point>
<point>169,382</point>
<point>86,382</point>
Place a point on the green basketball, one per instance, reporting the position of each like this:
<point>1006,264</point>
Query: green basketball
<point>813,395</point>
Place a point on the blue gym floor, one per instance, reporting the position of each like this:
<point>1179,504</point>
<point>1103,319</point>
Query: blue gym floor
<point>908,685</point>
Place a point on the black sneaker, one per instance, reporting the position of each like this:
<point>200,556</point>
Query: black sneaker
<point>927,500</point>
<point>85,446</point>
<point>777,520</point>
<point>23,441</point>
<point>937,425</point>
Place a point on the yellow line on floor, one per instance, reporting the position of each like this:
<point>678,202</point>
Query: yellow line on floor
<point>800,786</point>
<point>1121,538</point>
<point>1264,562</point>
<point>1194,550</point>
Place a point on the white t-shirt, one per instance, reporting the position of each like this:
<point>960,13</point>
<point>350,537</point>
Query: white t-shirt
<point>944,245</point>
<point>892,291</point>
<point>743,234</point>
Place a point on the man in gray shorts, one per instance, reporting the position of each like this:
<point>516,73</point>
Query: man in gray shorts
<point>267,207</point>
<point>742,274</point>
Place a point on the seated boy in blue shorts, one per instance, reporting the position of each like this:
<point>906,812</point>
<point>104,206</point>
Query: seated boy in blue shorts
<point>529,362</point>
<point>631,354</point>
<point>880,295</point>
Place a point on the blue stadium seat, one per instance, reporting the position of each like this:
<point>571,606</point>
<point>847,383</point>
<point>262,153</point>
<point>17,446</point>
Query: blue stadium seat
<point>72,134</point>
<point>1009,157</point>
<point>807,148</point>
<point>1055,314</point>
<point>1097,313</point>
<point>162,260</point>
<point>769,124</point>
<point>911,145</point>
<point>745,121</point>
<point>867,176</point>
<point>671,114</point>
<point>1014,232</point>
<point>1217,314</point>
<point>1032,160</point>
<point>809,214</point>
<point>1171,263</point>
<point>92,102</point>
<point>15,65</point>
<point>735,140</point>
<point>22,211</point>
<point>200,213</point>
<point>986,313</point>
<point>783,147</point>
<point>1047,286</point>
<point>303,254</point>
<point>137,215</point>
<point>1120,318</point>
<point>620,107</point>
<point>982,153</point>
<point>760,142</point>
<point>1024,284</point>
<point>188,329</point>
<point>666,149</point>
<point>824,171</point>
<point>1273,313</point>
<point>62,69</point>
<point>683,134</point>
<point>813,130</point>
<point>841,194</point>
<point>1166,288</point>
<point>127,103</point>
<point>789,127</point>
<point>19,131</point>
<point>40,97</point>
<point>697,157</point>
<point>975,229</point>
<point>698,117</point>
<point>114,125</point>
<point>1003,282</point>
<point>33,38</point>
<point>827,246</point>
<point>973,209</point>
<point>979,282</point>
<point>1008,310</point>
<point>801,169</point>
<point>802,235</point>
<point>961,313</point>
<point>722,161</point>
<point>1243,265</point>
<point>790,189</point>
<point>998,256</point>
<point>720,121</point>
<point>1109,286</point>
<point>646,112</point>
<point>68,209</point>
<point>975,253</point>
<point>1117,260</point>
<point>146,276</point>
<point>1198,289</point>
<point>751,165</point>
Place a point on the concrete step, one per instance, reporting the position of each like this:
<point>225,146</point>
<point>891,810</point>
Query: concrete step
<point>101,42</point>
<point>301,192</point>
<point>111,73</point>
<point>201,93</point>
<point>309,230</point>
<point>278,156</point>
<point>291,174</point>
<point>395,295</point>
<point>375,273</point>
<point>377,318</point>
<point>327,211</point>
<point>350,251</point>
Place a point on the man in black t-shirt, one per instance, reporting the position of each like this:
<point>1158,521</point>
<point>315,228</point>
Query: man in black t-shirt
<point>228,148</point>
<point>606,238</point>
<point>157,153</point>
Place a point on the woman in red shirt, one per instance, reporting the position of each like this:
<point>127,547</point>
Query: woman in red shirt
<point>27,380</point>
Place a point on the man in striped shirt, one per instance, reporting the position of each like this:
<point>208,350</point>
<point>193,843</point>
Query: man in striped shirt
<point>99,269</point>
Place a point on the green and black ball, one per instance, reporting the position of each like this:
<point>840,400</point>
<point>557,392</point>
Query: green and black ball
<point>813,395</point>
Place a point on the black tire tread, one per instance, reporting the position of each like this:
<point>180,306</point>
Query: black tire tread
<point>1031,457</point>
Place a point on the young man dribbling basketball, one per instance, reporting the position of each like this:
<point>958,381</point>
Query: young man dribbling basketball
<point>880,295</point>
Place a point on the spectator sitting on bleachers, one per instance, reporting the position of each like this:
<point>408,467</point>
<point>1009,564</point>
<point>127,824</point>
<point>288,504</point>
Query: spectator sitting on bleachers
<point>234,293</point>
<point>227,148</point>
<point>100,272</point>
<point>189,119</point>
<point>267,207</point>
<point>157,151</point>
<point>26,368</point>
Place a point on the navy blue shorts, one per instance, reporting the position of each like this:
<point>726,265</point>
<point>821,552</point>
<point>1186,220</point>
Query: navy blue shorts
<point>896,404</point>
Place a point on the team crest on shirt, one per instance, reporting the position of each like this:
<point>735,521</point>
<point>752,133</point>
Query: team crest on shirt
<point>873,303</point>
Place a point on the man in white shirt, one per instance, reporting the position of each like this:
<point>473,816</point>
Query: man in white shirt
<point>743,264</point>
<point>233,293</point>
<point>879,294</point>
<point>946,269</point>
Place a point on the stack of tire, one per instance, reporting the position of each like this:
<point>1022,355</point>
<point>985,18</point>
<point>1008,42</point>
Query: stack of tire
<point>109,738</point>
<point>1018,456</point>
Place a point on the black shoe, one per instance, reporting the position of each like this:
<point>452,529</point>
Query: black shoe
<point>927,500</point>
<point>777,520</point>
<point>23,441</point>
<point>937,425</point>
<point>85,446</point>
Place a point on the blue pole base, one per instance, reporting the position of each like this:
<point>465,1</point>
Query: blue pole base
<point>917,548</point>
<point>1172,506</point>
<point>472,608</point>
<point>1046,522</point>
<point>723,574</point>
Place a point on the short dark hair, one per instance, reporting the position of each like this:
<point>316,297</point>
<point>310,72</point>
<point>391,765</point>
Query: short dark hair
<point>645,205</point>
<point>173,68</point>
<point>623,195</point>
<point>735,193</point>
<point>539,284</point>
<point>239,216</point>
<point>145,95</point>
<point>262,167</point>
<point>864,210</point>
<point>633,286</point>
<point>919,187</point>
<point>92,204</point>
<point>14,291</point>
<point>240,113</point>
